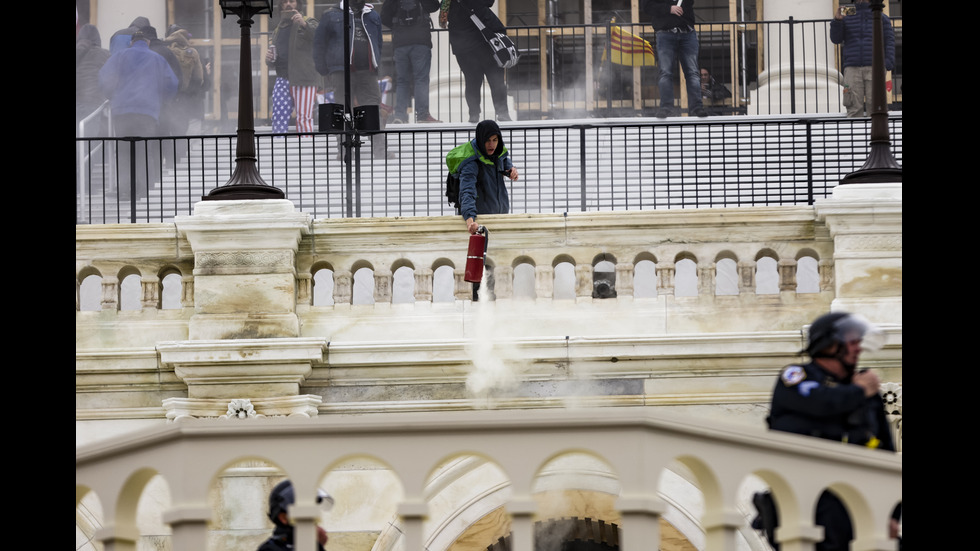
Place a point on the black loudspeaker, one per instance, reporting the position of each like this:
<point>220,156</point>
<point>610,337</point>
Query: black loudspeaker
<point>367,118</point>
<point>331,117</point>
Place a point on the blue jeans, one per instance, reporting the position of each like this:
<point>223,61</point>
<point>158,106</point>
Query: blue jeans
<point>671,49</point>
<point>412,68</point>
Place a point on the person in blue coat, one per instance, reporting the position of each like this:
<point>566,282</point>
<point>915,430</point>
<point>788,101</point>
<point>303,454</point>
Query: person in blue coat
<point>138,82</point>
<point>855,33</point>
<point>364,60</point>
<point>481,176</point>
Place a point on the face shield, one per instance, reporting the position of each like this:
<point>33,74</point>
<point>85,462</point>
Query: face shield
<point>856,327</point>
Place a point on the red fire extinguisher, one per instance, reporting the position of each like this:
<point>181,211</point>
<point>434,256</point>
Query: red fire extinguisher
<point>476,255</point>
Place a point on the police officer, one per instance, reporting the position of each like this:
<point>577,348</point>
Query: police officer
<point>281,497</point>
<point>829,398</point>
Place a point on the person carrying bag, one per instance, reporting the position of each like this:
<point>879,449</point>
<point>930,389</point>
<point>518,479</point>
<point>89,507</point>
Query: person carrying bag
<point>482,49</point>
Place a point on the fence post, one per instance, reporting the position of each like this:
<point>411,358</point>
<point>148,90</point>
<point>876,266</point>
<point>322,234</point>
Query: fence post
<point>581,157</point>
<point>792,67</point>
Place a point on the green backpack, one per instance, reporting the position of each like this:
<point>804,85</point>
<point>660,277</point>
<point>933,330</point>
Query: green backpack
<point>454,158</point>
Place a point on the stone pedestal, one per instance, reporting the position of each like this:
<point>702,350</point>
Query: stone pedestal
<point>244,268</point>
<point>865,221</point>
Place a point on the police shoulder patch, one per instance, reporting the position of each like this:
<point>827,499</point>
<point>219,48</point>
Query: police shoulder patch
<point>792,375</point>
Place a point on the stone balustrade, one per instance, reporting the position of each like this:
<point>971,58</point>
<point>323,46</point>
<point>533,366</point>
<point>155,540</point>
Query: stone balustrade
<point>629,450</point>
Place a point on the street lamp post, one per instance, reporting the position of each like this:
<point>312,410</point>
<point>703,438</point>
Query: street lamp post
<point>245,181</point>
<point>881,166</point>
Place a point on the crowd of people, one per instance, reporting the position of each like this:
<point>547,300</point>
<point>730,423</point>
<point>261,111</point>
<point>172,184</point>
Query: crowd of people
<point>307,60</point>
<point>306,55</point>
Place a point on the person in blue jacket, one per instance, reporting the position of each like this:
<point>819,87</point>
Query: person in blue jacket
<point>482,167</point>
<point>365,55</point>
<point>138,82</point>
<point>481,176</point>
<point>855,33</point>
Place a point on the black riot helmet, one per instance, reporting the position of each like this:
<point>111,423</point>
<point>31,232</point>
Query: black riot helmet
<point>281,497</point>
<point>840,328</point>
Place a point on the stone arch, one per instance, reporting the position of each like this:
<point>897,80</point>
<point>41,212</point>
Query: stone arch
<point>685,274</point>
<point>726,273</point>
<point>443,280</point>
<point>238,496</point>
<point>171,283</point>
<point>766,272</point>
<point>368,491</point>
<point>564,277</point>
<point>402,282</point>
<point>604,276</point>
<point>807,271</point>
<point>524,278</point>
<point>140,504</point>
<point>468,493</point>
<point>130,288</point>
<point>322,283</point>
<point>88,289</point>
<point>645,275</point>
<point>362,272</point>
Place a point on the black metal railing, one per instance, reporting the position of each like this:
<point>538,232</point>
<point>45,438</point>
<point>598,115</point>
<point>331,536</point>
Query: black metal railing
<point>582,165</point>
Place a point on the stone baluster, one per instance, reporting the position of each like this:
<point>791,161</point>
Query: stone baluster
<point>304,295</point>
<point>382,286</point>
<point>343,282</point>
<point>746,277</point>
<point>787,274</point>
<point>150,292</point>
<point>544,282</point>
<point>665,278</point>
<point>463,290</point>
<point>110,293</point>
<point>522,524</point>
<point>423,285</point>
<point>583,280</point>
<point>503,282</point>
<point>624,279</point>
<point>706,279</point>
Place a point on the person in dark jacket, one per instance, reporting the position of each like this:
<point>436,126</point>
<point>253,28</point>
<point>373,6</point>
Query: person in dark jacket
<point>411,27</point>
<point>474,56</point>
<point>90,56</point>
<point>364,60</point>
<point>481,176</point>
<point>677,44</point>
<point>296,77</point>
<point>830,398</point>
<point>481,181</point>
<point>854,32</point>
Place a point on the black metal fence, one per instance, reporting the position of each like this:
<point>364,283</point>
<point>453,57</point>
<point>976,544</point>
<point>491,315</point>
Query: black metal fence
<point>577,165</point>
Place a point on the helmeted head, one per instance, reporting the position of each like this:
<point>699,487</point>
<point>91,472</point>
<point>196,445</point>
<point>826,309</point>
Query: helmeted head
<point>281,497</point>
<point>830,334</point>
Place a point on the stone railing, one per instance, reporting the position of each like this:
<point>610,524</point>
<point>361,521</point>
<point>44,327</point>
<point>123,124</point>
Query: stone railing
<point>633,446</point>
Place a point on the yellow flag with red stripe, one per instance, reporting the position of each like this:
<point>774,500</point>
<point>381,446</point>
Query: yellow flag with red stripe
<point>628,49</point>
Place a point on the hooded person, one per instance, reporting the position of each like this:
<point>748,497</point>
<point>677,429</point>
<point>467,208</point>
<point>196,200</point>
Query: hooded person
<point>90,56</point>
<point>481,175</point>
<point>121,39</point>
